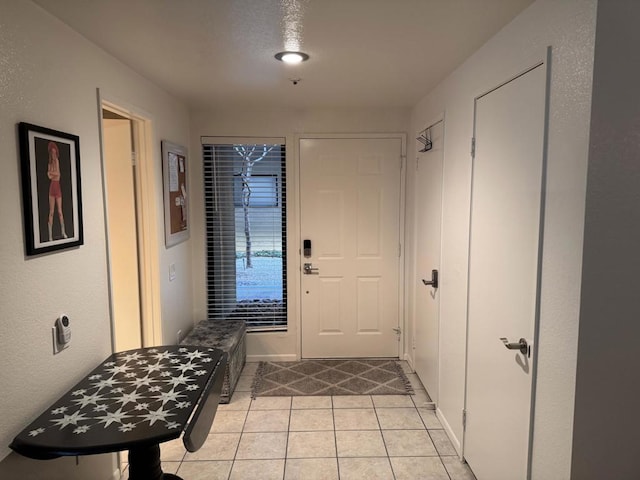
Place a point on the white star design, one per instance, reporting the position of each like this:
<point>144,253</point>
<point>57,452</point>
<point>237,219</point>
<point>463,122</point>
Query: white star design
<point>72,419</point>
<point>81,429</point>
<point>142,406</point>
<point>163,355</point>
<point>207,360</point>
<point>126,427</point>
<point>117,390</point>
<point>154,367</point>
<point>59,410</point>
<point>135,356</point>
<point>88,400</point>
<point>111,417</point>
<point>155,415</point>
<point>95,377</point>
<point>155,388</point>
<point>174,361</point>
<point>165,374</point>
<point>101,408</point>
<point>132,397</point>
<point>186,366</point>
<point>201,372</point>
<point>195,354</point>
<point>153,350</point>
<point>142,381</point>
<point>191,388</point>
<point>171,396</point>
<point>109,364</point>
<point>78,392</point>
<point>183,404</point>
<point>183,350</point>
<point>142,362</point>
<point>173,425</point>
<point>109,382</point>
<point>36,432</point>
<point>181,380</point>
<point>129,375</point>
<point>118,369</point>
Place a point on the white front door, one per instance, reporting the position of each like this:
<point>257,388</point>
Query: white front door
<point>503,275</point>
<point>350,217</point>
<point>428,203</point>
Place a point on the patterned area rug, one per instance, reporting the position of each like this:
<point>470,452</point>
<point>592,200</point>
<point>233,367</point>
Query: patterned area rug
<point>331,377</point>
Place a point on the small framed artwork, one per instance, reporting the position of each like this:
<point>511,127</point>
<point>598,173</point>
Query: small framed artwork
<point>174,170</point>
<point>51,192</point>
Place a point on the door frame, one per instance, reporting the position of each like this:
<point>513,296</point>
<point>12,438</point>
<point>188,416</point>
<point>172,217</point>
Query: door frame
<point>402,297</point>
<point>146,218</point>
<point>546,63</point>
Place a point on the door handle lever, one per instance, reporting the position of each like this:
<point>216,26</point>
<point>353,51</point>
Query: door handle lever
<point>522,345</point>
<point>309,269</point>
<point>434,279</point>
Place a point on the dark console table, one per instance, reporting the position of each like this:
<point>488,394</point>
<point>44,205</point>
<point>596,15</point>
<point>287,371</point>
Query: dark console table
<point>133,401</point>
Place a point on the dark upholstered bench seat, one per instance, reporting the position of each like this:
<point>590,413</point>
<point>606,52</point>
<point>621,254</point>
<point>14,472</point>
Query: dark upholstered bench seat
<point>229,336</point>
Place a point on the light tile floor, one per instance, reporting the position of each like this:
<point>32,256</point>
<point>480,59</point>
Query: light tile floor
<point>387,437</point>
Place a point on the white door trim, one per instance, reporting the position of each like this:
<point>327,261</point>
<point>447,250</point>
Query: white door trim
<point>146,214</point>
<point>402,301</point>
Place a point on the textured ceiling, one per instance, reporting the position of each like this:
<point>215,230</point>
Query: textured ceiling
<point>219,53</point>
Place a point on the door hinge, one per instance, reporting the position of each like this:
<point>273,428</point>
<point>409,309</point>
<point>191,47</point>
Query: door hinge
<point>464,419</point>
<point>473,147</point>
<point>133,159</point>
<point>399,250</point>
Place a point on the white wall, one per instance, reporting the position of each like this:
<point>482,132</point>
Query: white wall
<point>607,387</point>
<point>48,76</point>
<point>569,27</point>
<point>273,123</point>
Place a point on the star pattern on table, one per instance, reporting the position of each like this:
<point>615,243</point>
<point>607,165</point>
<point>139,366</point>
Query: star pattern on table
<point>154,387</point>
<point>72,419</point>
<point>109,417</point>
<point>156,415</point>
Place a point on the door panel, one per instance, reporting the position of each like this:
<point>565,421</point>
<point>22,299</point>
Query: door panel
<point>503,275</point>
<point>428,197</point>
<point>350,209</point>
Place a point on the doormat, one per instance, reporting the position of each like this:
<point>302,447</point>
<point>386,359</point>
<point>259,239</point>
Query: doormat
<point>330,377</point>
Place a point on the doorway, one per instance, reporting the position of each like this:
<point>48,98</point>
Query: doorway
<point>130,221</point>
<point>504,268</point>
<point>350,211</point>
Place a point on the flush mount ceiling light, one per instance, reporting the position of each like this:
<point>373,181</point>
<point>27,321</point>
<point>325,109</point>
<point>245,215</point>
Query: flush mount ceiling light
<point>292,57</point>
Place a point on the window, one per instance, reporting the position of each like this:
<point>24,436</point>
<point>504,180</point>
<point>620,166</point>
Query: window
<point>245,218</point>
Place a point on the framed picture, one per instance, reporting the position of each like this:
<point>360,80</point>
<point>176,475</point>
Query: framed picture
<point>52,197</point>
<point>174,170</point>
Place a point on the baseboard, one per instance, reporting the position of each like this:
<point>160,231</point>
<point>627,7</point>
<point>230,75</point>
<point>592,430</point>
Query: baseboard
<point>447,428</point>
<point>409,359</point>
<point>287,357</point>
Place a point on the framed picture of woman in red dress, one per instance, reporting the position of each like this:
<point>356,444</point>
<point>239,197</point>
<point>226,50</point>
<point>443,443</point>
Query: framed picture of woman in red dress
<point>52,198</point>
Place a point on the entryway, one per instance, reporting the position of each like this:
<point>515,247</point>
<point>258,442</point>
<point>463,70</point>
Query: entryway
<point>350,224</point>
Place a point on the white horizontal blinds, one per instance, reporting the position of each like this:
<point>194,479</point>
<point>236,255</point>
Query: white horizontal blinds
<point>245,210</point>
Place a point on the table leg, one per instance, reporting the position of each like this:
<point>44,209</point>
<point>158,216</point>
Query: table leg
<point>144,464</point>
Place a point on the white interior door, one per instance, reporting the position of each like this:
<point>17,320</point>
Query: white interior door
<point>123,239</point>
<point>503,275</point>
<point>428,203</point>
<point>350,212</point>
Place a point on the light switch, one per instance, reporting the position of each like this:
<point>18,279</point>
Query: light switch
<point>172,272</point>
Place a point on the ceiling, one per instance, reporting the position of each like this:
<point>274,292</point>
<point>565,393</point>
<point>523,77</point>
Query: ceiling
<point>220,53</point>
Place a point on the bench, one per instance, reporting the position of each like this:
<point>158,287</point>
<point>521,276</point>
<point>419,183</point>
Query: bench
<point>230,337</point>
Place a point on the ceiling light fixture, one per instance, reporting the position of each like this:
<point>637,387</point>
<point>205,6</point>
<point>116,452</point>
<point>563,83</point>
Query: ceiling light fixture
<point>292,57</point>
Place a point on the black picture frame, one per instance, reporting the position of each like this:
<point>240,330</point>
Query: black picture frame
<point>52,208</point>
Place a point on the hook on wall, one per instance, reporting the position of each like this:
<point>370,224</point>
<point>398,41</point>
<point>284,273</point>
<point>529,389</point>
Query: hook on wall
<point>425,139</point>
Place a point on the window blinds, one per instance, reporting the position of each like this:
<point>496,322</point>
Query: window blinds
<point>245,221</point>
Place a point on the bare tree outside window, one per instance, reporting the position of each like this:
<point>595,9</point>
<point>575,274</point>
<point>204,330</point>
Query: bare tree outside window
<point>250,156</point>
